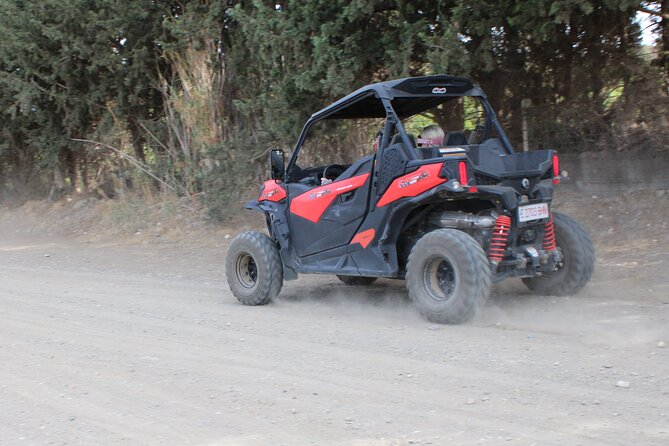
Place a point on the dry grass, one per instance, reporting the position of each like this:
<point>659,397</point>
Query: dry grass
<point>193,112</point>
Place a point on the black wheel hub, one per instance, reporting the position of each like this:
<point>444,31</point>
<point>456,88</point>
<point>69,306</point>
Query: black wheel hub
<point>439,279</point>
<point>559,265</point>
<point>246,270</point>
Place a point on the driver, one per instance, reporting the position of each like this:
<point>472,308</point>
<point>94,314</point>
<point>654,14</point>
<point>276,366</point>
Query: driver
<point>431,136</point>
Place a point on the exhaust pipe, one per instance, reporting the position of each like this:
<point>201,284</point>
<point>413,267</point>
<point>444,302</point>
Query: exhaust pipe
<point>461,220</point>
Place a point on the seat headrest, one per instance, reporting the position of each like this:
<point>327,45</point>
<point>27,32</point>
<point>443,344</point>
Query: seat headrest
<point>397,139</point>
<point>455,139</point>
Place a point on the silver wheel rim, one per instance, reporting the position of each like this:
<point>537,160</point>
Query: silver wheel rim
<point>439,279</point>
<point>246,270</point>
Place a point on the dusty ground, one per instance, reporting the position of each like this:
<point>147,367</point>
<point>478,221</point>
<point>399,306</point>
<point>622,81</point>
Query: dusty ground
<point>136,340</point>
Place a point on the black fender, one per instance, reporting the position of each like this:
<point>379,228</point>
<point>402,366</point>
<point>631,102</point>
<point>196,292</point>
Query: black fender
<point>277,225</point>
<point>253,205</point>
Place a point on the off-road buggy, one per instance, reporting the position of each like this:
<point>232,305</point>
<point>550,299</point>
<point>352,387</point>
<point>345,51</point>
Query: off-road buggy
<point>450,220</point>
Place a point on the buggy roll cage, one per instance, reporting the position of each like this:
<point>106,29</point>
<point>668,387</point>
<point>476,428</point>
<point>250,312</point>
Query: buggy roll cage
<point>399,99</point>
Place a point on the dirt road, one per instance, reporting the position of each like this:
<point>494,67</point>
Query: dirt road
<point>143,344</point>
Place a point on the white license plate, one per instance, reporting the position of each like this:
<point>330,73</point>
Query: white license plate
<point>533,212</point>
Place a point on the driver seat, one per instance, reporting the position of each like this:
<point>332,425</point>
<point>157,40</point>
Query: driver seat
<point>357,168</point>
<point>455,139</point>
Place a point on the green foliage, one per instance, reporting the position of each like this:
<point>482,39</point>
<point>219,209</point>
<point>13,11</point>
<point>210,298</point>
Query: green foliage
<point>195,91</point>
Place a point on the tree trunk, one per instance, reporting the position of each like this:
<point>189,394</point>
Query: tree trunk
<point>664,41</point>
<point>58,180</point>
<point>71,168</point>
<point>2,183</point>
<point>83,171</point>
<point>451,117</point>
<point>137,140</point>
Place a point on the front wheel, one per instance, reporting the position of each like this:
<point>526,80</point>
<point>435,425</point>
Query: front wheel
<point>448,276</point>
<point>577,265</point>
<point>253,268</point>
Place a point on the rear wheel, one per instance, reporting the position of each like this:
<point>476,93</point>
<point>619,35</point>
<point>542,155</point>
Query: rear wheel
<point>356,280</point>
<point>253,268</point>
<point>577,265</point>
<point>448,276</point>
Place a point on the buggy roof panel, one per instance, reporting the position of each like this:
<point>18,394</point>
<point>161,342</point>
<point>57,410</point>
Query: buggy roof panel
<point>409,96</point>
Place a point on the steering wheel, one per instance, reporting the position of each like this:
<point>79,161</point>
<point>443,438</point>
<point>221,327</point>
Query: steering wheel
<point>332,171</point>
<point>310,180</point>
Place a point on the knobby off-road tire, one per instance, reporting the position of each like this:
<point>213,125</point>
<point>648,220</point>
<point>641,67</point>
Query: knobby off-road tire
<point>253,268</point>
<point>448,276</point>
<point>356,280</point>
<point>577,265</point>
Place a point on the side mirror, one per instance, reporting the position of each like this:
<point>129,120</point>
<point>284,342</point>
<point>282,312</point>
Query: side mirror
<point>277,165</point>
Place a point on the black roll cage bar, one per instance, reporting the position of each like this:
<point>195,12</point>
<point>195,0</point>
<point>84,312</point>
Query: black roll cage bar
<point>380,92</point>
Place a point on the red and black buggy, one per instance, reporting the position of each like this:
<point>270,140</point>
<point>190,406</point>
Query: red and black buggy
<point>450,219</point>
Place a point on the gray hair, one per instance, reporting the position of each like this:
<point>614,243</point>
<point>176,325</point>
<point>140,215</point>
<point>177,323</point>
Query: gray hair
<point>433,133</point>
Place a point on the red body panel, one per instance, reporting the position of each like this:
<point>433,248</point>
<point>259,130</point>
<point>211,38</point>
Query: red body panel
<point>272,192</point>
<point>364,237</point>
<point>412,184</point>
<point>313,203</point>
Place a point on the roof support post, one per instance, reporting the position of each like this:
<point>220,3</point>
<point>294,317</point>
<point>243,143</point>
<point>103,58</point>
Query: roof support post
<point>391,118</point>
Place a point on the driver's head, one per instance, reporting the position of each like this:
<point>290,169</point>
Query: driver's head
<point>432,135</point>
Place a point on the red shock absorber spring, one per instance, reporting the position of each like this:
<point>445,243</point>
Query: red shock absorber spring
<point>500,238</point>
<point>549,235</point>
